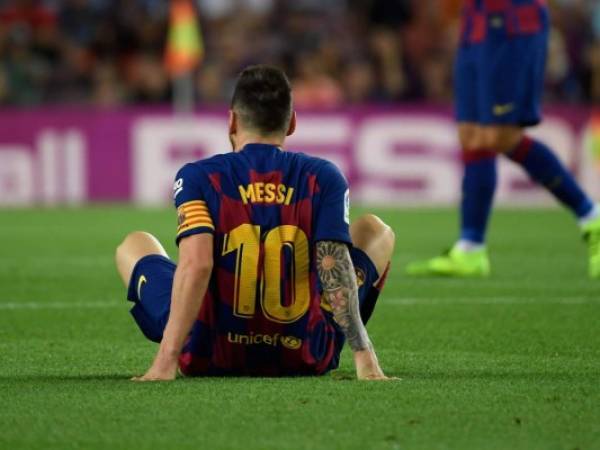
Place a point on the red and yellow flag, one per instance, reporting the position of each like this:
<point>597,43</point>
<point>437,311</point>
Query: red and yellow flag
<point>185,47</point>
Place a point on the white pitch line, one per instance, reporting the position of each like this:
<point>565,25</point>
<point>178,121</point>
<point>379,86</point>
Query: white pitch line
<point>489,301</point>
<point>59,305</point>
<point>385,301</point>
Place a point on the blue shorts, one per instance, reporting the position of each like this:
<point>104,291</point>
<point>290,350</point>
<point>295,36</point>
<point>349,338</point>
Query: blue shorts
<point>500,81</point>
<point>152,281</point>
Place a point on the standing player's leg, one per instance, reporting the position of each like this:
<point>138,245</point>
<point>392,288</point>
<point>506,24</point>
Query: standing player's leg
<point>516,105</point>
<point>479,162</point>
<point>478,188</point>
<point>373,245</point>
<point>510,84</point>
<point>148,273</point>
<point>468,257</point>
<point>521,105</point>
<point>544,168</point>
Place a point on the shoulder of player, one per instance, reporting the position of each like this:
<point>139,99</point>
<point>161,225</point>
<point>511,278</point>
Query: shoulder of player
<point>328,171</point>
<point>191,170</point>
<point>214,159</point>
<point>315,163</point>
<point>206,165</point>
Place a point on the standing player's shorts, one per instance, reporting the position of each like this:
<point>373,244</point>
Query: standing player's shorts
<point>152,281</point>
<point>500,80</point>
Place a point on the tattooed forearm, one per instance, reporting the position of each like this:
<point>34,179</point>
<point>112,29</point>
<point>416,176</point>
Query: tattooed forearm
<point>338,279</point>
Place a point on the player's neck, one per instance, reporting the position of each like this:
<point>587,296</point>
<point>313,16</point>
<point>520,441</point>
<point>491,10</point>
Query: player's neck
<point>243,140</point>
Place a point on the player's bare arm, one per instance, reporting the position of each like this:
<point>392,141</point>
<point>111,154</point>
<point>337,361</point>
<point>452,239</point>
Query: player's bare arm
<point>340,289</point>
<point>189,287</point>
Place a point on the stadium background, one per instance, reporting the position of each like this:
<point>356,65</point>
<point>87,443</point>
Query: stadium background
<point>86,97</point>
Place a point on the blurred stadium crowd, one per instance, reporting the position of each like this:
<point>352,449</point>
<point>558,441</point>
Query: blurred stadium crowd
<point>109,52</point>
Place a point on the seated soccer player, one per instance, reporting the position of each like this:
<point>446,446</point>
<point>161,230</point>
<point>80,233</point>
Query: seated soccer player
<point>499,79</point>
<point>272,279</point>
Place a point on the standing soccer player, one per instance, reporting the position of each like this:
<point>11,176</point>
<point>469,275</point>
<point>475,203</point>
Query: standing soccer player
<point>272,279</point>
<point>499,78</point>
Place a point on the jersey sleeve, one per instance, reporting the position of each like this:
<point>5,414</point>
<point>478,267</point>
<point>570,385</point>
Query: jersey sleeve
<point>332,222</point>
<point>193,216</point>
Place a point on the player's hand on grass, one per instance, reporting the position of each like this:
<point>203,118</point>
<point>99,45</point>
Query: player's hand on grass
<point>164,368</point>
<point>367,367</point>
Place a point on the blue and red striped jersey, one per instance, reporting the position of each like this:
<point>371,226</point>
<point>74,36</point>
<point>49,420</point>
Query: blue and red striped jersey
<point>513,17</point>
<point>266,208</point>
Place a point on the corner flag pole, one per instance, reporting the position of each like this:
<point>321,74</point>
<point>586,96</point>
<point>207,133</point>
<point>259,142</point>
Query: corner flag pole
<point>184,52</point>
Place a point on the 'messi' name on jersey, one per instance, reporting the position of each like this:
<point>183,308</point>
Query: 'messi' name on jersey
<point>266,193</point>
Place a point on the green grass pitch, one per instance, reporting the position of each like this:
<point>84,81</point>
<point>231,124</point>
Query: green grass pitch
<point>512,362</point>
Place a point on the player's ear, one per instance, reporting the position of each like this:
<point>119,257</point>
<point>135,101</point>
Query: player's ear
<point>232,122</point>
<point>292,126</point>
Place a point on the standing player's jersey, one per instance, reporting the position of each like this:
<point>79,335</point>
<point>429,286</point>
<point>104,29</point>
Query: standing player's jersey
<point>262,314</point>
<point>490,19</point>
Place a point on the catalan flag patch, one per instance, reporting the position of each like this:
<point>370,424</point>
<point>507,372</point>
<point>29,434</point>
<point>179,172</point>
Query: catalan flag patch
<point>191,215</point>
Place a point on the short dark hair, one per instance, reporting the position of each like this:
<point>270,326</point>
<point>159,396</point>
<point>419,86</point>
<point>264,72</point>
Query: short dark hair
<point>262,99</point>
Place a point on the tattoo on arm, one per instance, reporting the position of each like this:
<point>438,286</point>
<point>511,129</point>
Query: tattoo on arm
<point>338,279</point>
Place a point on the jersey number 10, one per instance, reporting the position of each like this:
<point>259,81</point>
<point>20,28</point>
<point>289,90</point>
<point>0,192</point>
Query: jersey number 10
<point>246,242</point>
